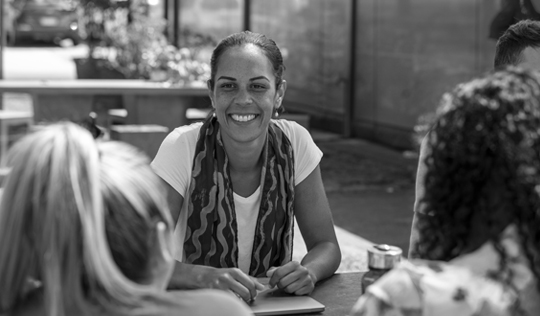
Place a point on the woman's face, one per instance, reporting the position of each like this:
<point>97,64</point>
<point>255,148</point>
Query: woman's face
<point>245,95</point>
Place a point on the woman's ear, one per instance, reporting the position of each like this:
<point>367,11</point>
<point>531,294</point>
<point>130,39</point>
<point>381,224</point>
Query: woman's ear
<point>280,94</point>
<point>282,88</point>
<point>210,91</point>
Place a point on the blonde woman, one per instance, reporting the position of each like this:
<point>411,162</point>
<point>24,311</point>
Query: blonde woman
<point>64,201</point>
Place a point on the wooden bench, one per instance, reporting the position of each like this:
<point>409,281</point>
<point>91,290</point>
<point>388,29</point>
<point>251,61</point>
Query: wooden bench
<point>146,102</point>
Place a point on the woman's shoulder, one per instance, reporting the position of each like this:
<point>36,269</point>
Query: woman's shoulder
<point>196,303</point>
<point>179,141</point>
<point>291,128</point>
<point>297,134</point>
<point>186,131</point>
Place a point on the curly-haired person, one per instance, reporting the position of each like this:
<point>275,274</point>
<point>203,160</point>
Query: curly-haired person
<point>519,46</point>
<point>481,232</point>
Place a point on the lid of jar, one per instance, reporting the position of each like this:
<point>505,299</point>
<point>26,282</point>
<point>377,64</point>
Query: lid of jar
<point>383,256</point>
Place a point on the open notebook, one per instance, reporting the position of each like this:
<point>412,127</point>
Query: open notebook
<point>277,302</point>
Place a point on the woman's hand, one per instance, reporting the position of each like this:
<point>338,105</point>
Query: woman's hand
<point>293,278</point>
<point>232,279</point>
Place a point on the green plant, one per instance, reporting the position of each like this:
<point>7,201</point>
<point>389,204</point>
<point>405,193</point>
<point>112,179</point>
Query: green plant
<point>136,46</point>
<point>95,16</point>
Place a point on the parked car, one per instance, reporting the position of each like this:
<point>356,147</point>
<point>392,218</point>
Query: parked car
<point>48,20</point>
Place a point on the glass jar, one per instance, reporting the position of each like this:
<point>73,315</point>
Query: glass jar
<point>381,259</point>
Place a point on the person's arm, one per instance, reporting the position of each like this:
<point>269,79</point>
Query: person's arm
<point>317,227</point>
<point>189,276</point>
<point>415,235</point>
<point>175,201</point>
<point>419,194</point>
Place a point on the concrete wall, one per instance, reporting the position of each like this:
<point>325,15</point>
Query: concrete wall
<point>313,36</point>
<point>408,53</point>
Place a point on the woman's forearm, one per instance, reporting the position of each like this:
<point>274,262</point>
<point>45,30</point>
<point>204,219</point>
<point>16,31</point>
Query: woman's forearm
<point>322,260</point>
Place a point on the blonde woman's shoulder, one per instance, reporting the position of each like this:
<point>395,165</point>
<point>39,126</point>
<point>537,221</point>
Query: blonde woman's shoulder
<point>208,302</point>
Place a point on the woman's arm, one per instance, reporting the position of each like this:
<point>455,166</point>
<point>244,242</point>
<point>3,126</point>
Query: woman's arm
<point>419,194</point>
<point>175,201</point>
<point>315,221</point>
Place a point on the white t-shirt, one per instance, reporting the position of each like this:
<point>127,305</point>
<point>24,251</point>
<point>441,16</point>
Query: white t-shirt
<point>174,162</point>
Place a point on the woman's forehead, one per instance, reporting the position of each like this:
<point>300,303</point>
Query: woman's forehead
<point>244,60</point>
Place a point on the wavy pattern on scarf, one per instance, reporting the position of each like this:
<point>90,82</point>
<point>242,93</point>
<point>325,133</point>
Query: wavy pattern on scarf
<point>212,235</point>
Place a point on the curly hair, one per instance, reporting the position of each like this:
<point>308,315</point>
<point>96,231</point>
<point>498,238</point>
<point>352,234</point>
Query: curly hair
<point>483,169</point>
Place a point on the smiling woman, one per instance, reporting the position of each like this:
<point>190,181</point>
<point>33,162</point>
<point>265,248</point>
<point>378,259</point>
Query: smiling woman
<point>238,180</point>
<point>245,95</point>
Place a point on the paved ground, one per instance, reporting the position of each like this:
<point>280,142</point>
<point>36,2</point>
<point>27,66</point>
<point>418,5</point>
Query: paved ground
<point>370,189</point>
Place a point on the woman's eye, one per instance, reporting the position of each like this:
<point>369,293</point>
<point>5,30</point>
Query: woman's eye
<point>227,86</point>
<point>258,86</point>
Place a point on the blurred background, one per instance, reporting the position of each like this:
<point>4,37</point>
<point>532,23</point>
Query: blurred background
<point>361,75</point>
<point>359,68</point>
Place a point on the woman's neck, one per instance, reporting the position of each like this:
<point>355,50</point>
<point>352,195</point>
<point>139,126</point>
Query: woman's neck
<point>245,166</point>
<point>244,157</point>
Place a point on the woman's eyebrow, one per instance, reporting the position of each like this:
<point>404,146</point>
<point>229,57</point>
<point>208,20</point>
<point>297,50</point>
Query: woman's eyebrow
<point>226,78</point>
<point>259,77</point>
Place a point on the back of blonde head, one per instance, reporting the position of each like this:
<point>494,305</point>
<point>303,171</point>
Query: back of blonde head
<point>48,193</point>
<point>134,203</point>
<point>52,229</point>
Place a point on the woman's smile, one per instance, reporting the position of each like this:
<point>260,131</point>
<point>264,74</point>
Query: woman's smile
<point>243,117</point>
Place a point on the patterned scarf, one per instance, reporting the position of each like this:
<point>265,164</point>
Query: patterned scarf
<point>212,235</point>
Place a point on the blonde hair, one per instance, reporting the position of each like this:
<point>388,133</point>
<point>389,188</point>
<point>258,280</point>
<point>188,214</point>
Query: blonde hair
<point>52,225</point>
<point>134,203</point>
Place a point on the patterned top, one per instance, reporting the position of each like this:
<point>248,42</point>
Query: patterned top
<point>465,286</point>
<point>430,288</point>
<point>212,226</point>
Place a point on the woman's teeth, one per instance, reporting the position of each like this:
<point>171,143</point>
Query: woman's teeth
<point>243,118</point>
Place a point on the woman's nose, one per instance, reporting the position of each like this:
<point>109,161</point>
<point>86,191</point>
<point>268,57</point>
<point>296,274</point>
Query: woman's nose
<point>244,97</point>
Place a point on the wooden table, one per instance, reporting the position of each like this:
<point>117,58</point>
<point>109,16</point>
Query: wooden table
<point>146,102</point>
<point>338,293</point>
